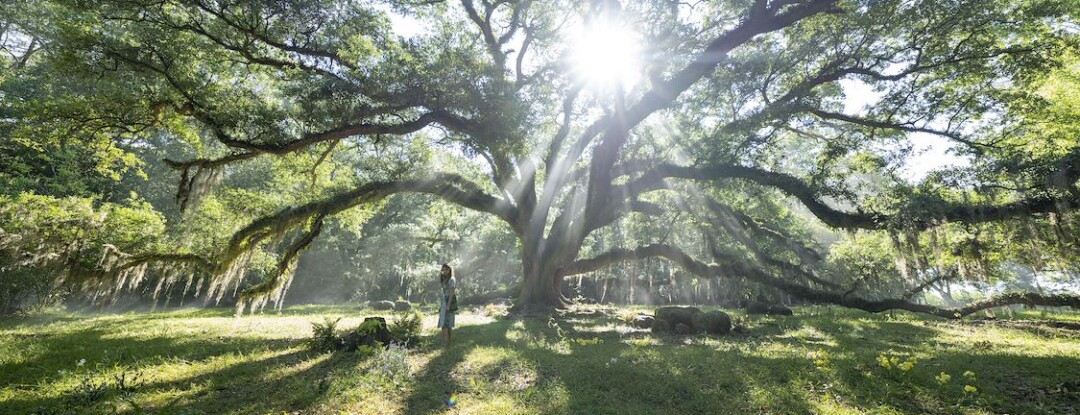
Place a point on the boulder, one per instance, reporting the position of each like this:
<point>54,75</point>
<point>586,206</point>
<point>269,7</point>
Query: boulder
<point>382,305</point>
<point>372,332</point>
<point>402,305</point>
<point>712,322</point>
<point>676,315</point>
<point>687,320</point>
<point>755,307</point>
<point>661,326</point>
<point>643,321</point>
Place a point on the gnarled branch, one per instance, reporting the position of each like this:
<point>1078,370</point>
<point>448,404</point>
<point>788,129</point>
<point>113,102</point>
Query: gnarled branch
<point>811,198</point>
<point>734,268</point>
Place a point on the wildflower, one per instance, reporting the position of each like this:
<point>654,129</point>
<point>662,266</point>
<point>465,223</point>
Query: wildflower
<point>907,365</point>
<point>943,378</point>
<point>969,374</point>
<point>81,362</point>
<point>884,361</point>
<point>969,389</point>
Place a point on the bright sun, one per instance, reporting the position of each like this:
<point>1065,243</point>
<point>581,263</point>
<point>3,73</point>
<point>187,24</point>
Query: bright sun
<point>606,55</point>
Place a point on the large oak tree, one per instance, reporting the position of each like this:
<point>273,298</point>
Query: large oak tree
<point>731,98</point>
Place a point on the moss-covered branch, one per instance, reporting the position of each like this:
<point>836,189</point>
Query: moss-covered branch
<point>811,197</point>
<point>735,267</point>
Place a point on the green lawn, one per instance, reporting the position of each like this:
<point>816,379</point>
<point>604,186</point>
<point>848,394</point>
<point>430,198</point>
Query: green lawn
<point>823,360</point>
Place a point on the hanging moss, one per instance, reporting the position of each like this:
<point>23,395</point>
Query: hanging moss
<point>194,188</point>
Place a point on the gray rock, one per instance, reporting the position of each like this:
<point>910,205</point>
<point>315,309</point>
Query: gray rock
<point>682,329</point>
<point>402,305</point>
<point>661,326</point>
<point>382,305</point>
<point>712,322</point>
<point>677,315</point>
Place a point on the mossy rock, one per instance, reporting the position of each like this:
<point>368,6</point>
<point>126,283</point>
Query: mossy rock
<point>402,305</point>
<point>712,322</point>
<point>382,305</point>
<point>682,329</point>
<point>677,315</point>
<point>660,326</point>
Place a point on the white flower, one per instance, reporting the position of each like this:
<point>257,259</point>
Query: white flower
<point>81,362</point>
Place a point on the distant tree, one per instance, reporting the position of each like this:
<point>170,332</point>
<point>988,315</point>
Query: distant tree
<point>737,118</point>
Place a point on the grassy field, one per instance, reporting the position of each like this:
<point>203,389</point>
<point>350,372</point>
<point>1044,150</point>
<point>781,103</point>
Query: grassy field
<point>822,360</point>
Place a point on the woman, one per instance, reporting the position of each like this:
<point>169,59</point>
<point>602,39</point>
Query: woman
<point>446,315</point>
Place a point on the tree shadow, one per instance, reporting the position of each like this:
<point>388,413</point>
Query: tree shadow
<point>107,355</point>
<point>572,364</point>
<point>433,385</point>
<point>634,380</point>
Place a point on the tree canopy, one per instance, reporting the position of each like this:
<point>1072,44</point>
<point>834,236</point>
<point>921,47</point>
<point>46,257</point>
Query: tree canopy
<point>743,133</point>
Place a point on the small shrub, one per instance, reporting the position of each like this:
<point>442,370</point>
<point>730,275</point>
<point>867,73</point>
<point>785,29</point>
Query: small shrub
<point>365,351</point>
<point>406,327</point>
<point>324,336</point>
<point>628,316</point>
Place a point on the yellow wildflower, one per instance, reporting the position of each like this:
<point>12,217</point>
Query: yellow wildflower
<point>884,361</point>
<point>943,378</point>
<point>969,374</point>
<point>969,389</point>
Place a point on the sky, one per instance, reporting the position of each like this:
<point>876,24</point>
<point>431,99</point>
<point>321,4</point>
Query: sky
<point>930,153</point>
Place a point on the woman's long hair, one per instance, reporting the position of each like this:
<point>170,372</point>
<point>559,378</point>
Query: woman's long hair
<point>446,273</point>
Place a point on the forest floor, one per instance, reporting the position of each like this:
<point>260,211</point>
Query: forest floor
<point>822,360</point>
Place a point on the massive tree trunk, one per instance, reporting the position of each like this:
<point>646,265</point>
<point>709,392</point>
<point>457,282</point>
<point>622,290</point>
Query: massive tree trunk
<point>541,272</point>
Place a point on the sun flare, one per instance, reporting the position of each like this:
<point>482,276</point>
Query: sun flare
<point>606,55</point>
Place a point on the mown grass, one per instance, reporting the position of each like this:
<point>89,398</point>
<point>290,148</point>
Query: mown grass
<point>822,360</point>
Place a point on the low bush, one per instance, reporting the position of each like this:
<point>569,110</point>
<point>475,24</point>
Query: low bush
<point>406,327</point>
<point>324,337</point>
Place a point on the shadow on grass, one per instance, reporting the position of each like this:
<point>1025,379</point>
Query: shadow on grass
<point>577,378</point>
<point>580,365</point>
<point>106,354</point>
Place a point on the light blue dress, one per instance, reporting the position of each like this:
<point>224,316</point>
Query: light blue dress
<point>446,317</point>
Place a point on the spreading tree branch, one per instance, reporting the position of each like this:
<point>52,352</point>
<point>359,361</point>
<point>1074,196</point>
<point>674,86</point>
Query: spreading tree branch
<point>735,268</point>
<point>810,197</point>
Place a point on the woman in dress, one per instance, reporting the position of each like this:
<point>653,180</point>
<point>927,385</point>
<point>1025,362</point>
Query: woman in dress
<point>446,315</point>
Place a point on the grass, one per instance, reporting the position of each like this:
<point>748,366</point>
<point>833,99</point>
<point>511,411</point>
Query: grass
<point>822,360</point>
